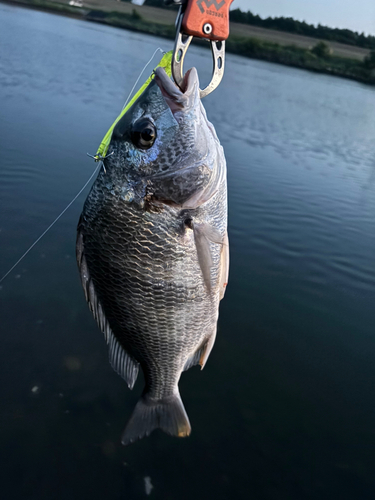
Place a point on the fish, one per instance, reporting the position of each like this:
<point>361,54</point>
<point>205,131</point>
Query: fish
<point>152,247</point>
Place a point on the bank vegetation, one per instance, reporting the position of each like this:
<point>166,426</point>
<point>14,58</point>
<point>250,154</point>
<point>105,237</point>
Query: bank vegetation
<point>317,58</point>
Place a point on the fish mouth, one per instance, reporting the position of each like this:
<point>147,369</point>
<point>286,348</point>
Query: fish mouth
<point>179,99</point>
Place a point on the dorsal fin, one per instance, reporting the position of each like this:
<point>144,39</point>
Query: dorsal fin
<point>124,364</point>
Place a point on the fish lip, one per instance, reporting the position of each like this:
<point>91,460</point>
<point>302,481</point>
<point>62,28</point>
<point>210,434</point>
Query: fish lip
<point>178,99</point>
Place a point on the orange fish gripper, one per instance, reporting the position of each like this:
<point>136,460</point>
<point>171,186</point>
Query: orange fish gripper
<point>206,19</point>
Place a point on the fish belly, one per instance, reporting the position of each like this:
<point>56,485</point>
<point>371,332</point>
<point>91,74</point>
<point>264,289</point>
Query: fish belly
<point>147,277</point>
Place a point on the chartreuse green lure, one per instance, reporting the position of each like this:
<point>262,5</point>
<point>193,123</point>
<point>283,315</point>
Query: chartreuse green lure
<point>166,63</point>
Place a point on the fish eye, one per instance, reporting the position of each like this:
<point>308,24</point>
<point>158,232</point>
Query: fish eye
<point>143,134</point>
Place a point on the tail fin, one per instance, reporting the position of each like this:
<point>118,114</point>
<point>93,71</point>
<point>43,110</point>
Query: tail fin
<point>149,414</point>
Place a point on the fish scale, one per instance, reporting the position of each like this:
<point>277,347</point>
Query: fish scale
<point>141,311</point>
<point>152,265</point>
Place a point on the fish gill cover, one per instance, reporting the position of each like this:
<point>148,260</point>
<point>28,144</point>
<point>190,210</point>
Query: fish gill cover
<point>166,63</point>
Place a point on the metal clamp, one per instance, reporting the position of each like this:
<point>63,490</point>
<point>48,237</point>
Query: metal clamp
<point>189,24</point>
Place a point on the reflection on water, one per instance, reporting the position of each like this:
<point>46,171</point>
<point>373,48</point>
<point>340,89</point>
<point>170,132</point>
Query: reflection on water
<point>285,406</point>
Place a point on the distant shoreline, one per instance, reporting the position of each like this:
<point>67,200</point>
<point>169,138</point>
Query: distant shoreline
<point>317,59</point>
<point>43,8</point>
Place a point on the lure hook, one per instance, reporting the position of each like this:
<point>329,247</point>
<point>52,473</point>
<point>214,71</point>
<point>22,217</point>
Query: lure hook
<point>99,157</point>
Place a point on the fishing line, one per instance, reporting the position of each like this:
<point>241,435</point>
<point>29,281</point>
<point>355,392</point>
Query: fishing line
<point>53,223</point>
<point>87,182</point>
<point>143,70</point>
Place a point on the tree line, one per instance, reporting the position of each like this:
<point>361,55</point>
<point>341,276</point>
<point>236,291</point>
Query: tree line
<point>290,25</point>
<point>302,28</point>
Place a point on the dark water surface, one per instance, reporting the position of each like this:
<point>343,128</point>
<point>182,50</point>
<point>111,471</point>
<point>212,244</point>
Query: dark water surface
<point>285,408</point>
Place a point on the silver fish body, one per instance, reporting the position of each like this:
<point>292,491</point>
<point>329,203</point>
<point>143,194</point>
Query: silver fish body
<point>152,247</point>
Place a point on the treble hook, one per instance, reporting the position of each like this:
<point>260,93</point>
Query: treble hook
<point>99,157</point>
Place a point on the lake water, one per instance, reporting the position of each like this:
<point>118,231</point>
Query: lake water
<point>285,408</point>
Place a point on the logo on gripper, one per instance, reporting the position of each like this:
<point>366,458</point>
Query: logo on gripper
<point>209,3</point>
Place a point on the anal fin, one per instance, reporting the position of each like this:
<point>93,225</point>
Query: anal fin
<point>200,356</point>
<point>194,358</point>
<point>207,350</point>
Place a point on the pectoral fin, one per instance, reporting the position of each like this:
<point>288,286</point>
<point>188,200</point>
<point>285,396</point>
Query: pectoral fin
<point>203,234</point>
<point>224,266</point>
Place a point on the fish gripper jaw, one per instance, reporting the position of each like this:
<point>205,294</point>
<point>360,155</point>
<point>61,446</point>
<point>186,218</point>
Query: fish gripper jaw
<point>211,24</point>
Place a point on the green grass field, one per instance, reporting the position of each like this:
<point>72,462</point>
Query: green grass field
<point>249,41</point>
